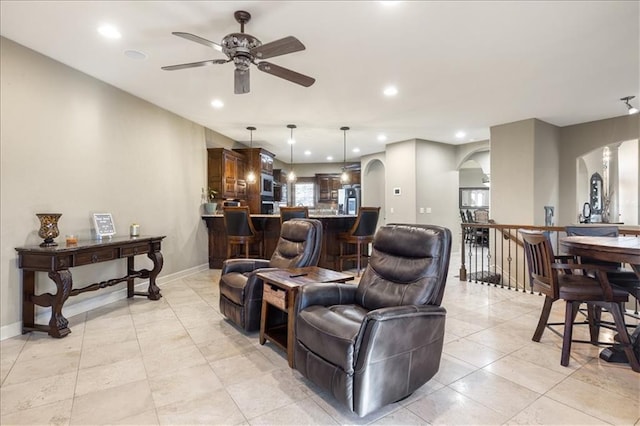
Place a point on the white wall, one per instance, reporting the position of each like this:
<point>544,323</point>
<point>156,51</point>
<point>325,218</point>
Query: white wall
<point>512,172</point>
<point>628,157</point>
<point>401,166</point>
<point>437,185</point>
<point>546,171</point>
<point>75,145</point>
<point>580,139</point>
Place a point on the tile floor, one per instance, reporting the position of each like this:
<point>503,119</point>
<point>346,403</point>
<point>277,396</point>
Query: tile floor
<point>177,361</point>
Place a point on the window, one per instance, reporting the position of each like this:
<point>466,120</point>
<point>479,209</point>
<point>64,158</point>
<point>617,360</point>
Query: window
<point>304,194</point>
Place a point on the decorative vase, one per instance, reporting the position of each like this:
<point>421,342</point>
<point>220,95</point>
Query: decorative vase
<point>210,208</point>
<point>48,228</point>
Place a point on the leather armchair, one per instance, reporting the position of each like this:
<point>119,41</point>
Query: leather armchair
<point>376,343</point>
<point>240,288</point>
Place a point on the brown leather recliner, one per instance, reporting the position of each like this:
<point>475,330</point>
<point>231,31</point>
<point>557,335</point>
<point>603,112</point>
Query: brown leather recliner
<point>376,343</point>
<point>240,288</point>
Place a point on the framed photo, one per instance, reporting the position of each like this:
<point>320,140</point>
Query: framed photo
<point>103,225</point>
<point>474,198</point>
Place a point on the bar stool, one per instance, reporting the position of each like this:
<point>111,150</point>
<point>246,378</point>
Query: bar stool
<point>240,230</point>
<point>361,233</point>
<point>287,213</point>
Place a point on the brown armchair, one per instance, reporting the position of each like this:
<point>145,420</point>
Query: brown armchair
<point>241,290</point>
<point>376,343</point>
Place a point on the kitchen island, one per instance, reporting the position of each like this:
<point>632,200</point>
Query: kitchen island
<point>269,226</point>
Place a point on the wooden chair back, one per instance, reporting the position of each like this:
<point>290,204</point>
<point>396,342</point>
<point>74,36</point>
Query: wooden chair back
<point>299,212</point>
<point>237,222</point>
<point>540,258</point>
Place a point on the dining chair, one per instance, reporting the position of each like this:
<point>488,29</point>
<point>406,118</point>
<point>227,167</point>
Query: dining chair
<point>556,281</point>
<point>360,234</point>
<point>625,279</point>
<point>299,212</point>
<point>240,230</point>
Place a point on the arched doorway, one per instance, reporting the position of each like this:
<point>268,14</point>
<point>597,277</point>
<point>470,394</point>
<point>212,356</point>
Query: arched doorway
<point>373,188</point>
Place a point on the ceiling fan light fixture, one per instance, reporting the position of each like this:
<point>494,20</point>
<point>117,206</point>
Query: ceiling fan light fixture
<point>631,108</point>
<point>243,50</point>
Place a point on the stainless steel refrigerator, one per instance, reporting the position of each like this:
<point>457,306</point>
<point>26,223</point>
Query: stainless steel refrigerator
<point>348,200</point>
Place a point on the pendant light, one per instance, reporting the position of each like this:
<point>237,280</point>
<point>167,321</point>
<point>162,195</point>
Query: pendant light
<point>344,177</point>
<point>291,177</point>
<point>251,175</point>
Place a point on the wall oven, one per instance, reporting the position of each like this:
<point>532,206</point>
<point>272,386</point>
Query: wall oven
<point>266,187</point>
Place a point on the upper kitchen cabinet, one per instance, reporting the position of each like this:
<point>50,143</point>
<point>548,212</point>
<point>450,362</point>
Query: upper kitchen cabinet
<point>258,159</point>
<point>226,171</point>
<point>328,186</point>
<point>259,195</point>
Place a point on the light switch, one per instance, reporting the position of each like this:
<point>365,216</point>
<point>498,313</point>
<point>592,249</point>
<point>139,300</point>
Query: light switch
<point>428,209</point>
<point>391,210</point>
<point>421,210</point>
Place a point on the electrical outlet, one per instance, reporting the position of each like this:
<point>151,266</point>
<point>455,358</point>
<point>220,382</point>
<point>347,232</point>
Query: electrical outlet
<point>391,210</point>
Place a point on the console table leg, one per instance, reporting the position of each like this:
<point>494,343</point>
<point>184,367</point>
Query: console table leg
<point>58,324</point>
<point>28,307</point>
<point>130,281</point>
<point>154,290</point>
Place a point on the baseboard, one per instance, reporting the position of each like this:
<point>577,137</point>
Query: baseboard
<point>15,329</point>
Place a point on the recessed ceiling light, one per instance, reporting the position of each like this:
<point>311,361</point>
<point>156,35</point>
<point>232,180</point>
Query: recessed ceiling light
<point>382,138</point>
<point>390,91</point>
<point>389,3</point>
<point>329,158</point>
<point>356,149</point>
<point>307,152</point>
<point>217,103</point>
<point>135,54</point>
<point>460,134</point>
<point>109,31</point>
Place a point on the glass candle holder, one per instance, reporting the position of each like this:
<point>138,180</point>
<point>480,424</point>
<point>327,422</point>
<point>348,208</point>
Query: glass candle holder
<point>48,228</point>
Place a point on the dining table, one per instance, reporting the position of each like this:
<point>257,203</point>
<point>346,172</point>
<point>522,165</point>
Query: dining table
<point>623,250</point>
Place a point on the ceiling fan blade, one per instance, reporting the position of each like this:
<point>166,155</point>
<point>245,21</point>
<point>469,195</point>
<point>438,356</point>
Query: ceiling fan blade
<point>241,80</point>
<point>285,73</point>
<point>195,64</point>
<point>279,47</point>
<point>200,40</point>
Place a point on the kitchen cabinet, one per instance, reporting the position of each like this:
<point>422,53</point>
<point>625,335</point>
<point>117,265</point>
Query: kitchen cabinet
<point>225,173</point>
<point>261,162</point>
<point>328,185</point>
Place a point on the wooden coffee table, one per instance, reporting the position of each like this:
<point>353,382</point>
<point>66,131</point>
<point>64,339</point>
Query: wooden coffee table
<point>280,291</point>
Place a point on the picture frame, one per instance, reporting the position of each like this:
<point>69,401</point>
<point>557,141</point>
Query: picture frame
<point>103,225</point>
<point>474,198</point>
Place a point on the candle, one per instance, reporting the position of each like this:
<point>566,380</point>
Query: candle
<point>134,230</point>
<point>71,240</point>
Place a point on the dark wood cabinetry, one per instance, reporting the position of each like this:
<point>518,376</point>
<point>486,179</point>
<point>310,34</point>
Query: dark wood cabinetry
<point>328,186</point>
<point>226,171</point>
<point>261,162</point>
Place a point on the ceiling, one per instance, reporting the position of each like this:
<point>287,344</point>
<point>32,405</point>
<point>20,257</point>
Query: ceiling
<point>458,66</point>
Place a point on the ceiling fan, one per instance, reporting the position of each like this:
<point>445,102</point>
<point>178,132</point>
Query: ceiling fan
<point>244,49</point>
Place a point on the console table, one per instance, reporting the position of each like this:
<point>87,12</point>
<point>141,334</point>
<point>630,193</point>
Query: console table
<point>57,261</point>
